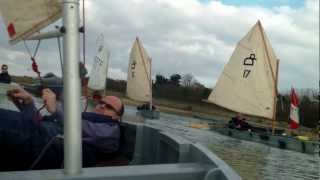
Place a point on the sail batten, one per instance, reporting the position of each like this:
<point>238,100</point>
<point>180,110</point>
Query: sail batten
<point>24,18</point>
<point>248,81</point>
<point>138,81</point>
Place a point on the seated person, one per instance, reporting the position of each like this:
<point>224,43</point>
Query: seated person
<point>239,122</point>
<point>25,134</point>
<point>146,106</point>
<point>4,75</point>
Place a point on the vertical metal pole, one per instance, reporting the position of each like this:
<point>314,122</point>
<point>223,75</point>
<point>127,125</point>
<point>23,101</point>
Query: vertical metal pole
<point>151,84</point>
<point>275,99</point>
<point>274,77</point>
<point>71,90</point>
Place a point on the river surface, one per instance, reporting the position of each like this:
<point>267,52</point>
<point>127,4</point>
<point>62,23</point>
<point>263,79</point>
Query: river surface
<point>251,160</point>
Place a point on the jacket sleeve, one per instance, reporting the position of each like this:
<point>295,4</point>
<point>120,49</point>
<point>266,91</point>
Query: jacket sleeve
<point>29,113</point>
<point>57,116</point>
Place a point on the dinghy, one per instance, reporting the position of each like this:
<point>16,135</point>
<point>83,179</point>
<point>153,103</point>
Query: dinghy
<point>139,81</point>
<point>248,85</point>
<point>99,72</point>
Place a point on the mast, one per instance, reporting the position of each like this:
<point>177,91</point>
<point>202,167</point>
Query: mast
<point>150,85</point>
<point>146,69</point>
<point>71,90</point>
<point>275,99</point>
<point>275,79</point>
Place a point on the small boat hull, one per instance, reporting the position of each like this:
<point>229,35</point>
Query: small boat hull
<point>278,141</point>
<point>154,114</point>
<point>151,154</point>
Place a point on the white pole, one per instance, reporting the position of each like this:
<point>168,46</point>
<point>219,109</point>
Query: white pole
<point>71,90</point>
<point>150,85</point>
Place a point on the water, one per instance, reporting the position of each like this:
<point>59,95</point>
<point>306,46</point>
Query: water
<point>251,160</point>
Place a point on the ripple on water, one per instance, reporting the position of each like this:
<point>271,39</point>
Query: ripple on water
<point>251,160</point>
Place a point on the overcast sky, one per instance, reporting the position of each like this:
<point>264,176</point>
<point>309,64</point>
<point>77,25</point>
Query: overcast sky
<point>189,36</point>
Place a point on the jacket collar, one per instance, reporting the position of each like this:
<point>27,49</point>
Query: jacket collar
<point>98,118</point>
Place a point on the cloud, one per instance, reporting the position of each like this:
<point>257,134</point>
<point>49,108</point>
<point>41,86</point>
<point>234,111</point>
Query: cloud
<point>188,36</point>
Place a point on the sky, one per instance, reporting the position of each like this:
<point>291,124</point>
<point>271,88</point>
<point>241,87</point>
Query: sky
<point>188,37</point>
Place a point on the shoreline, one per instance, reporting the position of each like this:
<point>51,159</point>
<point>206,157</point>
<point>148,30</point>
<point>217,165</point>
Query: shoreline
<point>204,111</point>
<point>217,113</point>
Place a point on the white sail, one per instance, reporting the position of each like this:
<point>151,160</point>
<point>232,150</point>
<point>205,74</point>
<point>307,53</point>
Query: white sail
<point>248,81</point>
<point>99,71</point>
<point>138,81</point>
<point>25,17</point>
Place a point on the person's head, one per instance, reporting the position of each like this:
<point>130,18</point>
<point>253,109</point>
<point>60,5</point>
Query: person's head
<point>4,68</point>
<point>110,106</point>
<point>240,116</point>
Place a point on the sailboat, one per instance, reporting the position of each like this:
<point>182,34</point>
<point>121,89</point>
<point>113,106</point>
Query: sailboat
<point>248,85</point>
<point>99,72</point>
<point>146,152</point>
<point>139,81</point>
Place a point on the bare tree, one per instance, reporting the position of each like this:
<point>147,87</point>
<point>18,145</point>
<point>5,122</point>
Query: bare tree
<point>187,80</point>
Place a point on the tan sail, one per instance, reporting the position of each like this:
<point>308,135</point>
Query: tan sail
<point>138,81</point>
<point>25,17</point>
<point>248,81</point>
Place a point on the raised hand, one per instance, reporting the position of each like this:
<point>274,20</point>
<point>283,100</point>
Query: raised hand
<point>20,95</point>
<point>50,100</point>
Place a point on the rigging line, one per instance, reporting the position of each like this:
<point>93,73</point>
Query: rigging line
<point>32,57</point>
<point>43,151</point>
<point>37,116</point>
<point>27,47</point>
<point>36,70</point>
<point>37,48</point>
<point>144,62</point>
<point>84,33</point>
<point>85,89</point>
<point>60,55</point>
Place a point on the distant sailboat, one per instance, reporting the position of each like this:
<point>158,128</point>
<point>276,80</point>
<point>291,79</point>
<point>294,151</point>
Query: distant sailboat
<point>139,82</point>
<point>99,71</point>
<point>248,85</point>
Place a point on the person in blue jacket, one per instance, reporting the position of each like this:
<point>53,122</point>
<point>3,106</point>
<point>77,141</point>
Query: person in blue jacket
<point>30,141</point>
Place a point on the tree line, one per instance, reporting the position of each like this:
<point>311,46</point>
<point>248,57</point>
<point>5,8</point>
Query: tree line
<point>176,87</point>
<point>185,88</point>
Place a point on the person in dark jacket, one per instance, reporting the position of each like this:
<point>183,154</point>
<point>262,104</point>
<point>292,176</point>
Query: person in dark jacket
<point>4,75</point>
<point>26,134</point>
<point>146,106</point>
<point>239,122</point>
